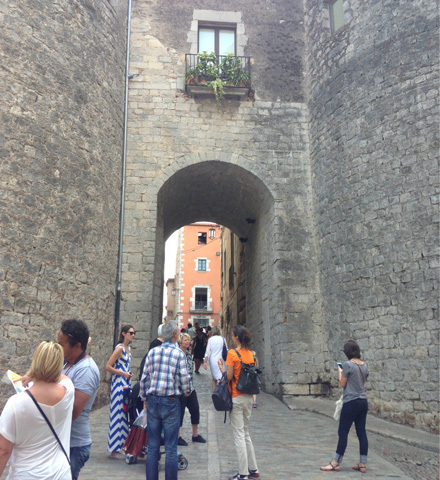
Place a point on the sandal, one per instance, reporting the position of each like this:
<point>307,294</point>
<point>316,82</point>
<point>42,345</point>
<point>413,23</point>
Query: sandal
<point>359,468</point>
<point>333,468</point>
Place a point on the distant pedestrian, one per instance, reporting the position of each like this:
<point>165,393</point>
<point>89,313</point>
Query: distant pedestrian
<point>199,348</point>
<point>165,378</point>
<point>25,437</point>
<point>241,404</point>
<point>352,378</point>
<point>214,350</point>
<point>192,330</point>
<point>119,365</point>
<point>191,402</point>
<point>84,373</point>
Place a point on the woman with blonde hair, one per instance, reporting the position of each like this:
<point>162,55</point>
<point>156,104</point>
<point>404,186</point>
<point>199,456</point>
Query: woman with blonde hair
<point>26,439</point>
<point>213,352</point>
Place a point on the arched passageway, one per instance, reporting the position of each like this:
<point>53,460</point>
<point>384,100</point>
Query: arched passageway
<point>282,303</point>
<point>229,195</point>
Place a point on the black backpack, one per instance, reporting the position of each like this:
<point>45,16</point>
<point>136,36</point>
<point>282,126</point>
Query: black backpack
<point>248,381</point>
<point>221,397</point>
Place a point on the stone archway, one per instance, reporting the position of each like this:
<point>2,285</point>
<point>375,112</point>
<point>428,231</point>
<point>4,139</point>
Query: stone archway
<point>281,300</point>
<point>232,196</point>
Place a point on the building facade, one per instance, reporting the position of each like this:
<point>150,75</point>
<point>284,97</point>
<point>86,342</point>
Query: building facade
<point>171,297</point>
<point>198,264</point>
<point>233,283</point>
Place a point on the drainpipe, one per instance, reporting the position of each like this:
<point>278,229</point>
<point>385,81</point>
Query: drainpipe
<point>124,167</point>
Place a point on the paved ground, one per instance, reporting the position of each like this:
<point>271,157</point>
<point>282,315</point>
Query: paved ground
<point>290,443</point>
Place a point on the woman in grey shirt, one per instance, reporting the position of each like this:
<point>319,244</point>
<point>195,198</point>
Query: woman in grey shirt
<point>352,377</point>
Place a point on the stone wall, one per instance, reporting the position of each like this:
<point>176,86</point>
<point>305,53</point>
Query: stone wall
<point>62,101</point>
<point>190,159</point>
<point>373,98</point>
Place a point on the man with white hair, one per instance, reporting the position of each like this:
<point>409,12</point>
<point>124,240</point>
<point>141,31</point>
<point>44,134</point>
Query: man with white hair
<point>165,378</point>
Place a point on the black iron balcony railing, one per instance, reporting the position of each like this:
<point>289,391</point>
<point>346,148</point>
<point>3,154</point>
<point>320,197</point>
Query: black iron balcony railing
<point>226,74</point>
<point>201,306</point>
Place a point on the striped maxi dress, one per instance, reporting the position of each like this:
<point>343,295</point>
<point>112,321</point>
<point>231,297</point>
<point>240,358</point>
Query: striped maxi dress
<point>118,425</point>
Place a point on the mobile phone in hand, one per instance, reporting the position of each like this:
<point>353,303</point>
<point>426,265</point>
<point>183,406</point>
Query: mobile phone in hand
<point>339,364</point>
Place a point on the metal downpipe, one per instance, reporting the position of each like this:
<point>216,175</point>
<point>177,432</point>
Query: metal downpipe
<point>124,166</point>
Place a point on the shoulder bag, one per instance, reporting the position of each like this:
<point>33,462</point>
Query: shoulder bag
<point>224,351</point>
<point>221,397</point>
<point>50,425</point>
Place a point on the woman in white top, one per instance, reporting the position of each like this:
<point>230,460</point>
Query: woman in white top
<point>213,352</point>
<point>25,437</point>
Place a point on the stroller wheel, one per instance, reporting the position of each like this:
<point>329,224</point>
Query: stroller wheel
<point>131,459</point>
<point>182,462</point>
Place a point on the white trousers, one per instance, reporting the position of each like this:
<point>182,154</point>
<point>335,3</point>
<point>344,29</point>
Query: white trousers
<point>240,416</point>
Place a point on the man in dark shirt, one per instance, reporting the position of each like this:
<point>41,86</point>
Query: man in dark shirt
<point>155,343</point>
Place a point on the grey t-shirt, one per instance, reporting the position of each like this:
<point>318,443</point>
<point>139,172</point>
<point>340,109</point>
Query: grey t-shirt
<point>355,383</point>
<point>85,377</point>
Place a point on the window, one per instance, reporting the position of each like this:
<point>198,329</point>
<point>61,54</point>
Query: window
<point>211,233</point>
<point>202,238</point>
<point>203,322</point>
<point>336,8</point>
<point>201,264</point>
<point>218,40</point>
<point>201,299</point>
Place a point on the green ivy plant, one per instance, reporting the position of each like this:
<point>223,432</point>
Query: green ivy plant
<point>217,86</point>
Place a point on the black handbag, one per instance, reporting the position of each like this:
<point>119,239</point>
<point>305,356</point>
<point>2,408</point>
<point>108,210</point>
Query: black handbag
<point>248,381</point>
<point>221,397</point>
<point>224,351</point>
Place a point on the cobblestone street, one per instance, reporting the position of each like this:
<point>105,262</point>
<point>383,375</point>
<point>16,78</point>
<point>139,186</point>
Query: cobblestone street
<point>289,443</point>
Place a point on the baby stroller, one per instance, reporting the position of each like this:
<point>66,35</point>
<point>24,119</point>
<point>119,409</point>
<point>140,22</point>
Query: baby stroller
<point>136,443</point>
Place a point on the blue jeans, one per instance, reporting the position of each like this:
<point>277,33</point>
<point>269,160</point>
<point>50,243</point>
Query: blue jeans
<point>354,411</point>
<point>163,413</point>
<point>78,457</point>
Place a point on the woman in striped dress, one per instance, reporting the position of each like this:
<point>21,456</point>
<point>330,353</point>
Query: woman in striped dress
<point>119,366</point>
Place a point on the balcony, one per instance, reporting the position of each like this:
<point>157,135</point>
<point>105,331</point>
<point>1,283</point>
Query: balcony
<point>201,307</point>
<point>226,76</point>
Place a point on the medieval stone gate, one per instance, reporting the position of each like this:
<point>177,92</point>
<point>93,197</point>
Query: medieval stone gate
<point>334,154</point>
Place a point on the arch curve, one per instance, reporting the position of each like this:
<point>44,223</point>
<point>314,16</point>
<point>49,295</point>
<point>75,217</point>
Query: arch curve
<point>221,192</point>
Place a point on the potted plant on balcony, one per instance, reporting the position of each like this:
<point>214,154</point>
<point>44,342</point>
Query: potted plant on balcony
<point>243,78</point>
<point>191,76</point>
<point>207,67</point>
<point>230,68</point>
<point>207,72</point>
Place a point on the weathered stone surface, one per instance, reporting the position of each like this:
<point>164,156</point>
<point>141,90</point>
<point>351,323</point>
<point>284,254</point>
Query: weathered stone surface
<point>62,109</point>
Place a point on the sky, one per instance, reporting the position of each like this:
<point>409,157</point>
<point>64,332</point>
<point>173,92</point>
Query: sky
<point>170,256</point>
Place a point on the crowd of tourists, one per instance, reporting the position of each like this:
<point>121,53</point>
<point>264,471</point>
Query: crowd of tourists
<point>45,432</point>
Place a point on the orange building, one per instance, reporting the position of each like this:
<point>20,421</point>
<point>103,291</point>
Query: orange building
<point>198,270</point>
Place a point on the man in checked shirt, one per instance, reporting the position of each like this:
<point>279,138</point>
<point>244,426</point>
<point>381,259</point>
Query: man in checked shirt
<point>164,379</point>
